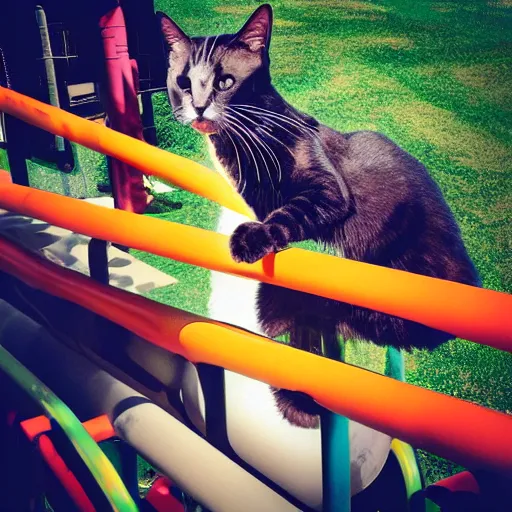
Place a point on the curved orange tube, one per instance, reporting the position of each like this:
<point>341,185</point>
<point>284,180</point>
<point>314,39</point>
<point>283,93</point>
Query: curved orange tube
<point>176,169</point>
<point>479,315</point>
<point>468,434</point>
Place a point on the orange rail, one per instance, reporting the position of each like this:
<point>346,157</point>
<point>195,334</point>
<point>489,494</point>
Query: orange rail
<point>176,169</point>
<point>473,436</point>
<point>480,315</point>
<point>99,428</point>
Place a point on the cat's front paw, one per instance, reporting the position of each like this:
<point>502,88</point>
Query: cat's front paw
<point>250,242</point>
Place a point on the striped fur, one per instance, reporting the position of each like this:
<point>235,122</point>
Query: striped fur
<point>357,193</point>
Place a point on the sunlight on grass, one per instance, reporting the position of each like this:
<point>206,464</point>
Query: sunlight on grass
<point>340,5</point>
<point>4,161</point>
<point>466,145</point>
<point>489,81</point>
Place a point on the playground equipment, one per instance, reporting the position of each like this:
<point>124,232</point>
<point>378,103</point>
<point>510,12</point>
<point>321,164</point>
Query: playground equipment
<point>189,450</point>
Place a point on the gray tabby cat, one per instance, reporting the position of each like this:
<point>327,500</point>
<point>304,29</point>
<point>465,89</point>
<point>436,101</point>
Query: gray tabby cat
<point>358,193</point>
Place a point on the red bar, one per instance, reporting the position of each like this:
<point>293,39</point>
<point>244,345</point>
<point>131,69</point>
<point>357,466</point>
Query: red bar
<point>65,476</point>
<point>463,481</point>
<point>123,110</point>
<point>161,498</point>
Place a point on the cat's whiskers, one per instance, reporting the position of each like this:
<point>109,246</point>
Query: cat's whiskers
<point>275,123</point>
<point>265,146</point>
<point>251,136</point>
<point>267,131</point>
<point>211,49</point>
<point>274,118</point>
<point>298,122</point>
<point>265,112</point>
<point>235,131</point>
<point>269,134</point>
<point>226,131</point>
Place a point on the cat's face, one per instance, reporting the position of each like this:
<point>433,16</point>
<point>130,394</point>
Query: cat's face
<point>206,74</point>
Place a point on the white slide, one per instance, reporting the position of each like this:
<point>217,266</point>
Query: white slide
<point>289,455</point>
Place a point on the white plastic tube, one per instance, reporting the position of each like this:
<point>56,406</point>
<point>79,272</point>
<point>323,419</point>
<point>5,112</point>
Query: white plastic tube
<point>188,460</point>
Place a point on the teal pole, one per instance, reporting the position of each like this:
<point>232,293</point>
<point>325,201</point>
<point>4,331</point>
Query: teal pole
<point>395,367</point>
<point>336,489</point>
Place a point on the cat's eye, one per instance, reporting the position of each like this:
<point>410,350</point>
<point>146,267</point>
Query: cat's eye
<point>184,83</point>
<point>225,82</point>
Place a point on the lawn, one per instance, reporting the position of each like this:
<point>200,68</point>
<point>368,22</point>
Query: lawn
<point>433,76</point>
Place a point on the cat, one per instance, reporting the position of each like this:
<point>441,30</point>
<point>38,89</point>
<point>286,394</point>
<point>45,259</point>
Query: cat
<point>358,193</point>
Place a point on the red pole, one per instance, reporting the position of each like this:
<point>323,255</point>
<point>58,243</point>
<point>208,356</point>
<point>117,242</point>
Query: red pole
<point>122,110</point>
<point>161,498</point>
<point>65,476</point>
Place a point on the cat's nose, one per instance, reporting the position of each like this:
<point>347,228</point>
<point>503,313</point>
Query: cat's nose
<point>200,110</point>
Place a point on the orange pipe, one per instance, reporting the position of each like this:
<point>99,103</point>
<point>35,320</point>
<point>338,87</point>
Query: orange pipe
<point>99,428</point>
<point>468,434</point>
<point>476,314</point>
<point>178,170</point>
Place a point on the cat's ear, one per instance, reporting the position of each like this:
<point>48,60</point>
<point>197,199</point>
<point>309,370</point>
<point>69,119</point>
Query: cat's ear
<point>174,37</point>
<point>256,31</point>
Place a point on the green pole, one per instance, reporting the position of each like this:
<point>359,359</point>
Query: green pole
<point>124,460</point>
<point>336,489</point>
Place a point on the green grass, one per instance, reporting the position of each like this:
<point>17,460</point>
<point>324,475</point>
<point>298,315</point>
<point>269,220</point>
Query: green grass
<point>435,77</point>
<point>192,290</point>
<point>4,162</point>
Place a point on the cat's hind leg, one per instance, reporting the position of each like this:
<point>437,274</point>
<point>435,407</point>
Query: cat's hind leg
<point>316,337</point>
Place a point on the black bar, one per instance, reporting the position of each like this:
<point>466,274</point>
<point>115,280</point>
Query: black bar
<point>98,260</point>
<point>17,135</point>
